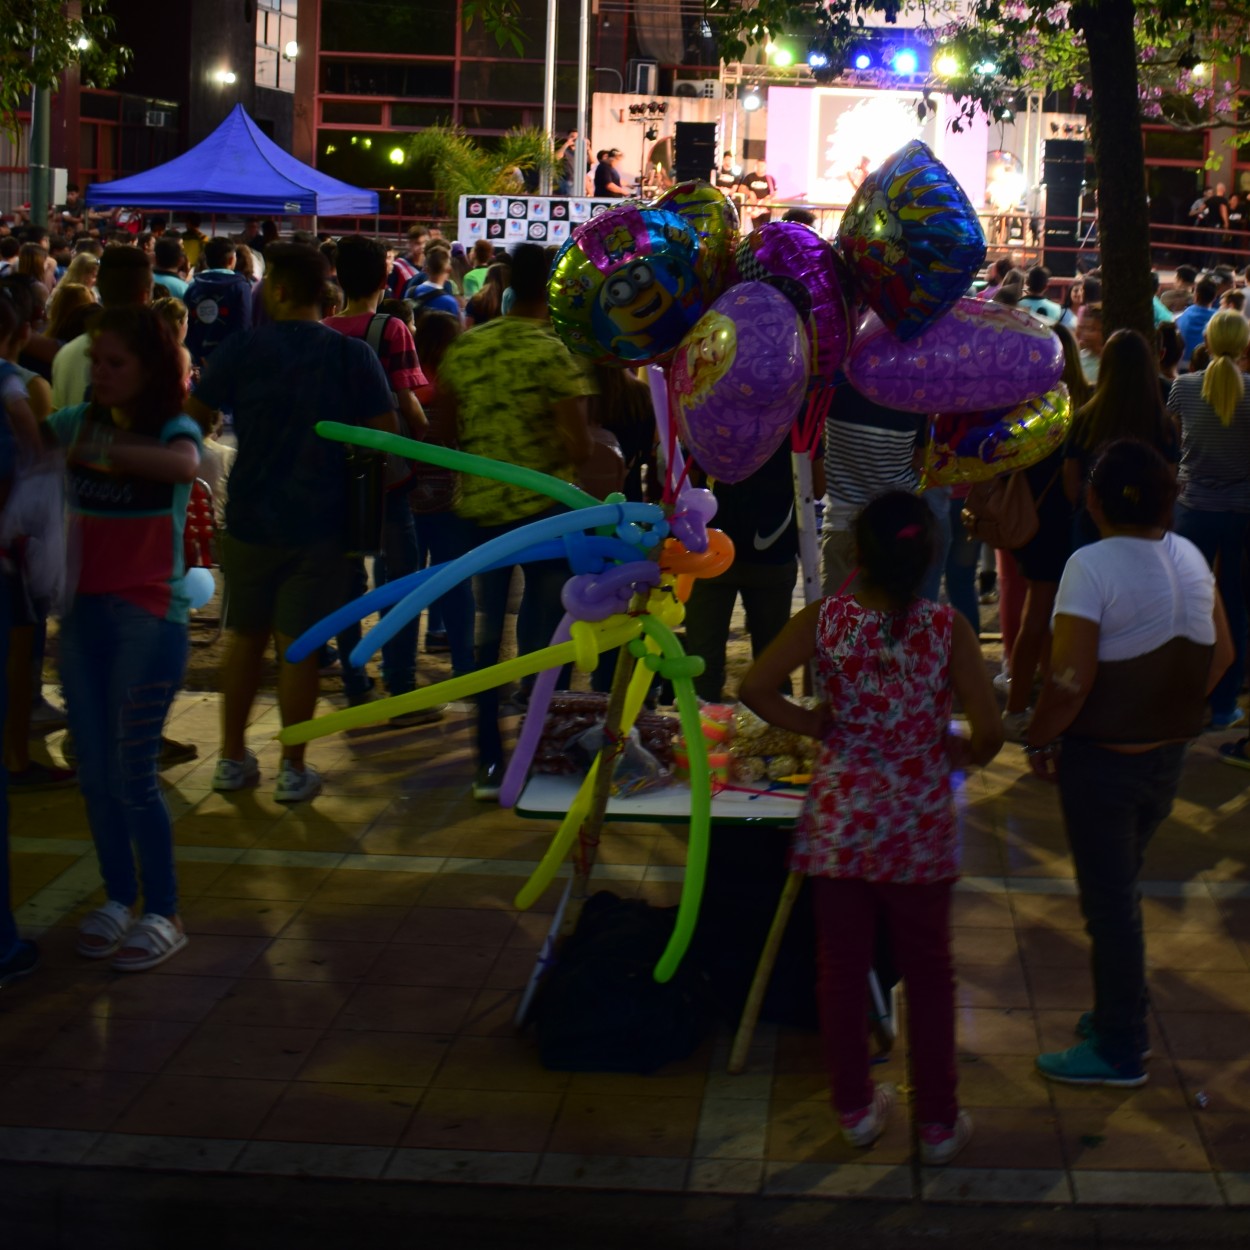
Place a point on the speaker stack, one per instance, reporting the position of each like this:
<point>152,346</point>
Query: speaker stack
<point>694,150</point>
<point>1063,172</point>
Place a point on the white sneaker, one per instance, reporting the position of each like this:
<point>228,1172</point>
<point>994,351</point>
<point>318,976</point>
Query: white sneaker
<point>296,784</point>
<point>862,1128</point>
<point>940,1143</point>
<point>1016,725</point>
<point>236,774</point>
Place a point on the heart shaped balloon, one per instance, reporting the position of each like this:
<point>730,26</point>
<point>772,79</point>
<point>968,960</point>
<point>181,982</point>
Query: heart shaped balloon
<point>739,379</point>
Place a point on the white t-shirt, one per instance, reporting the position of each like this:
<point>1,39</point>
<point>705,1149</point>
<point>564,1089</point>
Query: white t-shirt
<point>1141,593</point>
<point>71,373</point>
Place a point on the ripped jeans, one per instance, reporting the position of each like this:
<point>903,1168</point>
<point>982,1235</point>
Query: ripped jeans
<point>121,667</point>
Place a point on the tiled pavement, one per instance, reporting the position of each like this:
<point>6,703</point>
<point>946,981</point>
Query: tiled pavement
<point>345,1006</point>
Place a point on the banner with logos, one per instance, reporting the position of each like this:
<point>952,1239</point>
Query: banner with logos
<point>507,220</point>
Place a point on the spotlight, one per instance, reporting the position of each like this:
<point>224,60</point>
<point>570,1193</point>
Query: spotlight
<point>986,67</point>
<point>82,43</point>
<point>1200,71</point>
<point>396,156</point>
<point>783,58</point>
<point>863,60</point>
<point>224,76</point>
<point>905,62</point>
<point>291,51</point>
<point>946,65</point>
<point>752,100</point>
<point>817,60</point>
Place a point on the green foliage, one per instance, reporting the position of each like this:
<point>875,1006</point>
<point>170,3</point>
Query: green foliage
<point>38,40</point>
<point>460,166</point>
<point>501,18</point>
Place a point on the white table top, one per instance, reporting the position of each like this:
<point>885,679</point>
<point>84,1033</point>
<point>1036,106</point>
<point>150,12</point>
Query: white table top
<point>549,798</point>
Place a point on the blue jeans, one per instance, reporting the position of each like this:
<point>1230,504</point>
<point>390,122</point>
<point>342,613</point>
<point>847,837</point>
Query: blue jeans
<point>398,558</point>
<point>441,538</point>
<point>961,568</point>
<point>541,611</point>
<point>1223,534</point>
<point>8,928</point>
<point>122,667</point>
<point>938,499</point>
<point>1112,805</point>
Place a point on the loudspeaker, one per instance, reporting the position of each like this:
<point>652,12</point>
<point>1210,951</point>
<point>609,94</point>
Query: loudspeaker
<point>1063,172</point>
<point>694,150</point>
<point>1064,152</point>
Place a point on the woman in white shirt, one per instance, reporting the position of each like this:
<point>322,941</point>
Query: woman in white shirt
<point>1140,640</point>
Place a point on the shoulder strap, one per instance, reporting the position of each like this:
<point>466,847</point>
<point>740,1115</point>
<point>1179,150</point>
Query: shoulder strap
<point>375,330</point>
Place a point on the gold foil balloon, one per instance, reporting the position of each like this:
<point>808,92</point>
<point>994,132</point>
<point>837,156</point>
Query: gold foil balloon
<point>715,218</point>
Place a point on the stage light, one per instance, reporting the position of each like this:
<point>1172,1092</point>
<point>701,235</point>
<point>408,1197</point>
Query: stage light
<point>905,62</point>
<point>783,58</point>
<point>752,100</point>
<point>397,156</point>
<point>946,65</point>
<point>817,60</point>
<point>1201,70</point>
<point>224,76</point>
<point>986,67</point>
<point>863,60</point>
<point>82,43</point>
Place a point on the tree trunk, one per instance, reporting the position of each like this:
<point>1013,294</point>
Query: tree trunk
<point>1119,159</point>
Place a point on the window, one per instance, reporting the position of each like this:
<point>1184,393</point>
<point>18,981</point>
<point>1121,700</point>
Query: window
<point>275,29</point>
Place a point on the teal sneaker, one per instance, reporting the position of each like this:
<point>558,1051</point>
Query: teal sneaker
<point>1085,1030</point>
<point>1083,1065</point>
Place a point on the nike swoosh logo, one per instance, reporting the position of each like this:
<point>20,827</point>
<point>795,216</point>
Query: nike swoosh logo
<point>763,543</point>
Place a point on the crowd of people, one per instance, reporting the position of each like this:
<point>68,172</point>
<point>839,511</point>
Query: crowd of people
<point>133,367</point>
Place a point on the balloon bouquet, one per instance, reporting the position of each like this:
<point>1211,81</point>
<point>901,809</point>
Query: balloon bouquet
<point>744,341</point>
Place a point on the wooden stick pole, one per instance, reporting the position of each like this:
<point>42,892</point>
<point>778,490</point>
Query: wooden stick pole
<point>763,973</point>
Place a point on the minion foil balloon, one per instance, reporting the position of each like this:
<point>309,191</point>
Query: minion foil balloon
<point>626,287</point>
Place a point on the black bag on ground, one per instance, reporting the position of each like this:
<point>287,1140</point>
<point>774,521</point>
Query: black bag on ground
<point>600,1009</point>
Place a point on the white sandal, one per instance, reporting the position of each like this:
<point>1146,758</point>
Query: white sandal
<point>111,922</point>
<point>155,938</point>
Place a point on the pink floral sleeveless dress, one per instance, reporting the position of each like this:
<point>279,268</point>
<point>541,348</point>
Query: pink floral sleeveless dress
<point>880,807</point>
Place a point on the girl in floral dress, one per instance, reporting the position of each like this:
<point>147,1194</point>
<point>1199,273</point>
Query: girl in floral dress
<point>878,834</point>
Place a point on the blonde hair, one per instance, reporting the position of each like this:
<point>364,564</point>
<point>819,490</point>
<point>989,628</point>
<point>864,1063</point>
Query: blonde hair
<point>172,309</point>
<point>1227,335</point>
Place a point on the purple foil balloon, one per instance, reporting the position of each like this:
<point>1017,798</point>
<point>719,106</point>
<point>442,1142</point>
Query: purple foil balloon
<point>804,268</point>
<point>979,356</point>
<point>738,380</point>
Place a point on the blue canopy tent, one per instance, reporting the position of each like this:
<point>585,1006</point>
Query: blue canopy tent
<point>237,169</point>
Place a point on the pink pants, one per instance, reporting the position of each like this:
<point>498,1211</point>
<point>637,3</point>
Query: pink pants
<point>1011,590</point>
<point>918,920</point>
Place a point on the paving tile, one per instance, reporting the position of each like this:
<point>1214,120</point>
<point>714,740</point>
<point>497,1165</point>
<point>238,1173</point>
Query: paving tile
<point>287,1004</point>
<point>1227,1136</point>
<point>300,833</point>
<point>240,1050</point>
<point>312,1159</point>
<point>1162,1189</point>
<point>1200,951</point>
<point>981,910</point>
<point>492,1013</point>
<point>1069,989</point>
<point>292,959</point>
<point>268,882</point>
<point>1025,1137</point>
<point>180,1154</point>
<point>984,947</point>
<point>92,1042</point>
<point>732,1128</point>
<point>220,829</point>
<point>56,1098</point>
<point>988,1031</point>
<point>1000,1081</point>
<point>508,1063</point>
<point>256,918</point>
<point>358,1057</point>
<point>345,922</point>
<point>463,1167</point>
<point>406,1008</point>
<point>991,985</point>
<point>725,1176</point>
<point>612,1172</point>
<point>1236,1186</point>
<point>889,1182</point>
<point>45,1145</point>
<point>1173,989</point>
<point>452,926</point>
<point>200,1106</point>
<point>464,967</point>
<point>1005,1184</point>
<point>597,1124</point>
<point>342,1114</point>
<point>24,1037</point>
<point>490,1120</point>
<point>683,1078</point>
<point>158,996</point>
<point>1042,946</point>
<point>367,888</point>
<point>213,955</point>
<point>1127,1139</point>
<point>1225,1084</point>
<point>1206,1035</point>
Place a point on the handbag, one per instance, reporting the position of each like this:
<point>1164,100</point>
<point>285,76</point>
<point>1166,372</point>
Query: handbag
<point>1002,512</point>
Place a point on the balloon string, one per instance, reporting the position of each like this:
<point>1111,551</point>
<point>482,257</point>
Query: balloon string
<point>670,490</point>
<point>681,482</point>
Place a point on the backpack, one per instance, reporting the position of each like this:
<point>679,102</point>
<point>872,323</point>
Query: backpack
<point>400,471</point>
<point>600,1009</point>
<point>1002,512</point>
<point>218,305</point>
